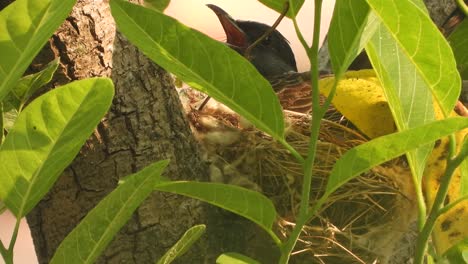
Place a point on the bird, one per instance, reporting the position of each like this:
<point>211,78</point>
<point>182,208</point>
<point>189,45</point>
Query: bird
<point>272,57</point>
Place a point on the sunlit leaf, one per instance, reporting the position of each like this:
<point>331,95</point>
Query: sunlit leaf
<point>87,241</point>
<point>278,5</point>
<point>25,88</point>
<point>423,44</point>
<point>203,63</point>
<point>30,84</point>
<point>351,27</point>
<point>409,96</point>
<point>249,204</point>
<point>364,157</point>
<point>235,258</point>
<point>360,98</point>
<point>46,137</point>
<point>184,243</point>
<point>25,26</point>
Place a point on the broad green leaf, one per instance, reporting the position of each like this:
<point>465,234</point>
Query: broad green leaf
<point>249,204</point>
<point>351,27</point>
<point>408,95</point>
<point>464,178</point>
<point>47,135</point>
<point>9,118</point>
<point>459,42</point>
<point>278,5</point>
<point>160,5</point>
<point>464,166</point>
<point>2,124</point>
<point>423,44</point>
<point>30,84</point>
<point>457,253</point>
<point>2,207</point>
<point>364,157</point>
<point>184,243</point>
<point>87,241</point>
<point>25,26</point>
<point>203,63</point>
<point>235,258</point>
<point>25,88</point>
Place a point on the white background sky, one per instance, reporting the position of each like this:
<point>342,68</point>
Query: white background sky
<point>195,14</point>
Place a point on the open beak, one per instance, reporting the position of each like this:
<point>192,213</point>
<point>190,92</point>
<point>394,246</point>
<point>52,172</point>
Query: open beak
<point>234,35</point>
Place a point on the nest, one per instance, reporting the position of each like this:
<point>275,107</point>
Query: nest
<point>368,220</point>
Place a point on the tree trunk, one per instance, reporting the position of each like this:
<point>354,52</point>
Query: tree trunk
<point>145,124</point>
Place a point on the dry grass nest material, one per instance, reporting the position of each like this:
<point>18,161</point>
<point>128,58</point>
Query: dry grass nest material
<point>363,221</point>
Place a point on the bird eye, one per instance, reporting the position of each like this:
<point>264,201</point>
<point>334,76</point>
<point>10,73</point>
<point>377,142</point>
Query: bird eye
<point>267,40</point>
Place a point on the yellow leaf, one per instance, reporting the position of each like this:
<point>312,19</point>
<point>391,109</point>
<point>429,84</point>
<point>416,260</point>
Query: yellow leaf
<point>450,227</point>
<point>360,98</point>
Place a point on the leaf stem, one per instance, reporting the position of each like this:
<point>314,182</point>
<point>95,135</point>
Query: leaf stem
<point>422,209</point>
<point>4,252</point>
<point>317,115</point>
<point>452,164</point>
<point>447,208</point>
<point>292,150</point>
<point>463,7</point>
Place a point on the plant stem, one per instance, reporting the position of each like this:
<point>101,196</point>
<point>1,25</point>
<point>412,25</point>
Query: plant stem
<point>422,210</point>
<point>447,208</point>
<point>8,253</point>
<point>3,251</point>
<point>463,7</point>
<point>292,150</point>
<point>317,115</point>
<point>452,164</point>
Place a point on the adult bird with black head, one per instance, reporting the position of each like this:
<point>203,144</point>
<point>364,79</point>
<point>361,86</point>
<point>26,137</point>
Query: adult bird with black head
<point>272,57</point>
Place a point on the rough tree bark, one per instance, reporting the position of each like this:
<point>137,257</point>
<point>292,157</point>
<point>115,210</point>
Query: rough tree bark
<point>145,124</point>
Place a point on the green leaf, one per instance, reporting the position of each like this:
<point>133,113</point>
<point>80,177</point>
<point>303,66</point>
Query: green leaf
<point>464,168</point>
<point>423,44</point>
<point>9,118</point>
<point>457,254</point>
<point>278,6</point>
<point>184,243</point>
<point>2,207</point>
<point>25,26</point>
<point>364,157</point>
<point>351,27</point>
<point>160,5</point>
<point>459,43</point>
<point>408,95</point>
<point>86,242</point>
<point>203,63</point>
<point>235,258</point>
<point>249,204</point>
<point>24,89</point>
<point>2,124</point>
<point>464,178</point>
<point>46,137</point>
<point>30,84</point>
